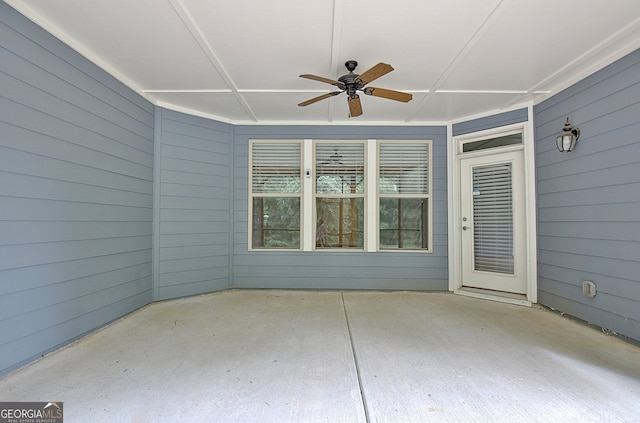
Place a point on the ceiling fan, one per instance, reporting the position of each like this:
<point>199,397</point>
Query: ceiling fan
<point>352,82</point>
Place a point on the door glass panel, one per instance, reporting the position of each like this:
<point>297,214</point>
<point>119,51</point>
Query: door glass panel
<point>493,218</point>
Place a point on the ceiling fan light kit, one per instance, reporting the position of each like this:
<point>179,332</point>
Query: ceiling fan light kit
<point>352,82</point>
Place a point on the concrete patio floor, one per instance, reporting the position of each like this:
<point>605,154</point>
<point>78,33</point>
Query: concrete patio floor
<point>329,356</point>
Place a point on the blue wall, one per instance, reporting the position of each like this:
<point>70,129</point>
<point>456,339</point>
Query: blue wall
<point>589,199</point>
<point>194,205</point>
<point>340,270</point>
<point>76,169</point>
<point>489,122</point>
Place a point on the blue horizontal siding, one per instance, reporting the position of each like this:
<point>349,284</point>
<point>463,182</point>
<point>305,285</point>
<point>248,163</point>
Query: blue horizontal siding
<point>76,194</point>
<point>194,216</point>
<point>489,122</point>
<point>588,202</point>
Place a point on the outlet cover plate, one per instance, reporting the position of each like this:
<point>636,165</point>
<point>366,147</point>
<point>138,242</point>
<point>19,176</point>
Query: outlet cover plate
<point>588,289</point>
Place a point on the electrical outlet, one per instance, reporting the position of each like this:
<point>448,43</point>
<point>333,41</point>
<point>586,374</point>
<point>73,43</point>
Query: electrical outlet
<point>588,289</point>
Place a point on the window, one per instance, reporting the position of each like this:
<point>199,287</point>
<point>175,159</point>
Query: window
<point>495,142</point>
<point>339,195</point>
<point>276,188</point>
<point>404,196</point>
<point>328,195</point>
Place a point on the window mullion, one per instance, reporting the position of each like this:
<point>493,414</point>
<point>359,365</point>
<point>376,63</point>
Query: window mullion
<point>371,197</point>
<point>308,219</point>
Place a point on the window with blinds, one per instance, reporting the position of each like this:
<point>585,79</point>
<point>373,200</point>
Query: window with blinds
<point>350,195</point>
<point>404,195</point>
<point>275,192</point>
<point>339,194</point>
<point>493,218</point>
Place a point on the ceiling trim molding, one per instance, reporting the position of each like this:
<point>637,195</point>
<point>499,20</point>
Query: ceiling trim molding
<point>475,37</point>
<point>482,91</point>
<point>493,112</point>
<point>193,112</point>
<point>336,33</point>
<point>201,114</point>
<point>198,113</point>
<point>189,91</point>
<point>76,45</point>
<point>197,35</point>
<point>620,44</point>
<point>336,36</point>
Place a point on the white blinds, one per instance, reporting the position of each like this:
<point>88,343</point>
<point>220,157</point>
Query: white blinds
<point>404,168</point>
<point>276,168</point>
<point>493,218</point>
<point>339,168</point>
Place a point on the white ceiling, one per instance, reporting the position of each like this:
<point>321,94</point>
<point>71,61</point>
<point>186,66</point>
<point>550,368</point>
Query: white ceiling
<point>238,61</point>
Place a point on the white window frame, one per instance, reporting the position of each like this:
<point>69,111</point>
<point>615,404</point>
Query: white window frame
<point>362,195</point>
<point>427,195</point>
<point>252,195</point>
<point>371,196</point>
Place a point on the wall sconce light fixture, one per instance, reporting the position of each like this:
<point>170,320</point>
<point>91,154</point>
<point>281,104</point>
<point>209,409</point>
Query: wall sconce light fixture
<point>567,140</point>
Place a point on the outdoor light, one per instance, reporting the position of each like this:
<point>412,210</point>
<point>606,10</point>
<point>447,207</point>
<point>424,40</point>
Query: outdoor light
<point>567,140</point>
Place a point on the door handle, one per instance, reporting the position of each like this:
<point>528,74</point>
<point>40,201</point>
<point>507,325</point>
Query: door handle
<point>464,228</point>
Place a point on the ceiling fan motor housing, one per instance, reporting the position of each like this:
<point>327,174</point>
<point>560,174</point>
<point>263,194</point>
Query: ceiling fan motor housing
<point>349,82</point>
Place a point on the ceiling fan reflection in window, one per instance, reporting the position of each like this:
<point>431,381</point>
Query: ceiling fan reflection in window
<point>351,83</point>
<point>334,159</point>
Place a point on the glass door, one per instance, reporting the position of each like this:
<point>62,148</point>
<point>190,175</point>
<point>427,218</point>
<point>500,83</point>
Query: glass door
<point>493,224</point>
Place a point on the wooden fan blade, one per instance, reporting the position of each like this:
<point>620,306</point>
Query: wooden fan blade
<point>320,97</point>
<point>374,73</point>
<point>355,107</point>
<point>390,94</point>
<point>321,79</point>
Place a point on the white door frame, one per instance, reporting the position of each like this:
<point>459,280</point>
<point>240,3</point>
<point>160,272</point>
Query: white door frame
<point>455,217</point>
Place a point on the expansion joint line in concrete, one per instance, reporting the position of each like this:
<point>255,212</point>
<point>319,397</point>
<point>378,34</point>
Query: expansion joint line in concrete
<point>355,361</point>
